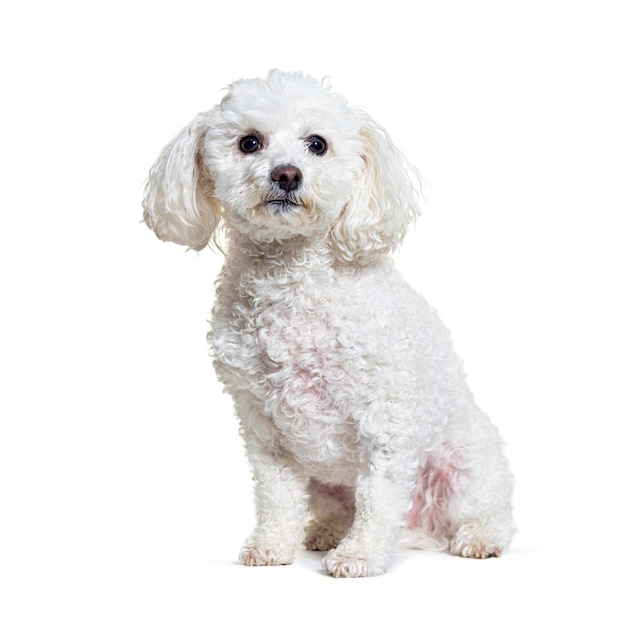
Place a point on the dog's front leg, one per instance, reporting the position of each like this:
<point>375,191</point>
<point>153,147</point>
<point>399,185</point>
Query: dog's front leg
<point>381,502</point>
<point>281,509</point>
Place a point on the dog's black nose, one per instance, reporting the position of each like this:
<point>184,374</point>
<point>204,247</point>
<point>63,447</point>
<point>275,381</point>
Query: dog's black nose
<point>287,177</point>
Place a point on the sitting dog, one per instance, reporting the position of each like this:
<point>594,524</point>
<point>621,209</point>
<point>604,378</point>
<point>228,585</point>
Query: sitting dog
<point>357,420</point>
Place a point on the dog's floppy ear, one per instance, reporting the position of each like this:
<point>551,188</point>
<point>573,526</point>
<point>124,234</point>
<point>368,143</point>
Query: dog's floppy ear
<point>384,203</point>
<point>178,201</point>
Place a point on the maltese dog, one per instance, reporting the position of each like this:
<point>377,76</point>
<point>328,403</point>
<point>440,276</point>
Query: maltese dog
<point>356,416</point>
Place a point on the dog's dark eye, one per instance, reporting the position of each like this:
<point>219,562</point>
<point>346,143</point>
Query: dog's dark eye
<point>316,145</point>
<point>250,144</point>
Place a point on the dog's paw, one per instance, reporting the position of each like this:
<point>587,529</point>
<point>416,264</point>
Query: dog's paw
<point>322,536</point>
<point>262,554</point>
<point>473,541</point>
<point>340,564</point>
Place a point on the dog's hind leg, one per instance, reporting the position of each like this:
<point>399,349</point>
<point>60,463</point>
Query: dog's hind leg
<point>480,514</point>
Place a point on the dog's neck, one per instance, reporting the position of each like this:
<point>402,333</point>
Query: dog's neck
<point>273,273</point>
<point>309,253</point>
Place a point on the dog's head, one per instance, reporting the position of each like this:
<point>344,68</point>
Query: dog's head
<point>283,158</point>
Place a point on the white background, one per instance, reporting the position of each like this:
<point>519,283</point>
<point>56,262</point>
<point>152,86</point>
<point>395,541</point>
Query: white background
<point>124,493</point>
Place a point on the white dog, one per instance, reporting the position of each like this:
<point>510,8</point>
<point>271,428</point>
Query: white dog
<point>357,420</point>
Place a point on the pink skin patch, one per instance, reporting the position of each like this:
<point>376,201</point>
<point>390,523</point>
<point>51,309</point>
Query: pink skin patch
<point>435,483</point>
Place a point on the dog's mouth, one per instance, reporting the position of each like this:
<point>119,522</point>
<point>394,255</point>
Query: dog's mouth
<point>283,204</point>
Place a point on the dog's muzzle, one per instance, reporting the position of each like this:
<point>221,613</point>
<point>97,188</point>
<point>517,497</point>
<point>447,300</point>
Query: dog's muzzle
<point>286,181</point>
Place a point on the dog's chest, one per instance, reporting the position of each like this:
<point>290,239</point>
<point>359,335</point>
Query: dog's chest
<point>292,359</point>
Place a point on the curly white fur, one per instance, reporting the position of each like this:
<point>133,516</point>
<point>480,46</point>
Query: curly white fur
<point>356,417</point>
